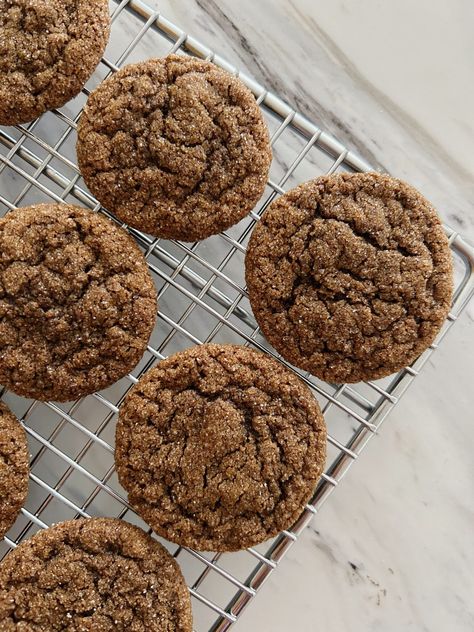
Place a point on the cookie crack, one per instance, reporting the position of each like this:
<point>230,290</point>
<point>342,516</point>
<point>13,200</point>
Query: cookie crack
<point>227,450</point>
<point>83,310</point>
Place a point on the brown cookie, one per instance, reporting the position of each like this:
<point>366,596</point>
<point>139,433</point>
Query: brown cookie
<point>48,50</point>
<point>77,302</point>
<point>97,574</point>
<point>350,276</point>
<point>220,447</point>
<point>14,468</point>
<point>175,147</point>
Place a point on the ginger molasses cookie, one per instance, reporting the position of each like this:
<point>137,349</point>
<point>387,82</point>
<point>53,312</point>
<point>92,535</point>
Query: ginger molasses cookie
<point>97,574</point>
<point>48,50</point>
<point>220,447</point>
<point>14,468</point>
<point>350,276</point>
<point>77,302</point>
<point>175,147</point>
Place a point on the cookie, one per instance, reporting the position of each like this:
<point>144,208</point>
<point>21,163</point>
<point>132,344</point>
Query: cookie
<point>77,302</point>
<point>97,574</point>
<point>350,276</point>
<point>14,468</point>
<point>220,447</point>
<point>175,147</point>
<point>48,50</point>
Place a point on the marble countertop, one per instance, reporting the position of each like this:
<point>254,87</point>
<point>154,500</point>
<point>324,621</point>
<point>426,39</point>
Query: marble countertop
<point>392,548</point>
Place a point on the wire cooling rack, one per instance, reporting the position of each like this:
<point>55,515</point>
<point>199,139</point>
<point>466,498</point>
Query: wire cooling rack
<point>202,297</point>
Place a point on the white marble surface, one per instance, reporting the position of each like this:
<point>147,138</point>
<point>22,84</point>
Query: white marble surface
<point>392,549</point>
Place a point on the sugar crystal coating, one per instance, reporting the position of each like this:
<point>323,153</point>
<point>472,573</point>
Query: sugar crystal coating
<point>350,276</point>
<point>176,147</point>
<point>220,447</point>
<point>77,302</point>
<point>97,575</point>
<point>48,50</point>
<point>14,467</point>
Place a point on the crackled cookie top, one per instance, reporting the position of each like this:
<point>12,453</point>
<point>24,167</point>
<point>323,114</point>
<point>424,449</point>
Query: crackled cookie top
<point>14,467</point>
<point>175,147</point>
<point>77,303</point>
<point>48,50</point>
<point>220,447</point>
<point>350,276</point>
<point>96,574</point>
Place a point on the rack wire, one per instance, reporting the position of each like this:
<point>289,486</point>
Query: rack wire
<point>202,298</point>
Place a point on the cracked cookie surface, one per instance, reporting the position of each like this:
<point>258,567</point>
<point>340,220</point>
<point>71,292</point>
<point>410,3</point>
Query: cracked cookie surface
<point>97,574</point>
<point>14,468</point>
<point>350,276</point>
<point>220,447</point>
<point>48,50</point>
<point>175,147</point>
<point>77,302</point>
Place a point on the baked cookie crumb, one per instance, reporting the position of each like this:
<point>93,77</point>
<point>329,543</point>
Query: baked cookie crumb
<point>98,574</point>
<point>14,468</point>
<point>220,447</point>
<point>77,302</point>
<point>175,147</point>
<point>350,276</point>
<point>48,50</point>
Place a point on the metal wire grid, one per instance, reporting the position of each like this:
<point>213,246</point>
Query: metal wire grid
<point>202,298</point>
